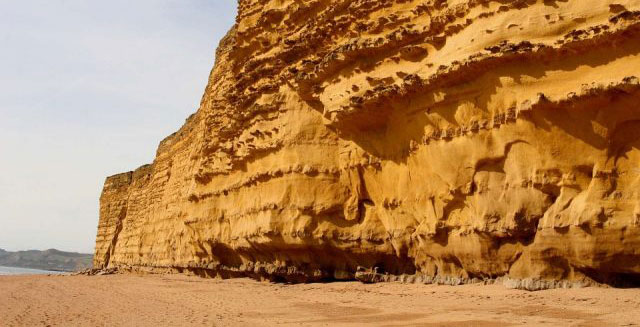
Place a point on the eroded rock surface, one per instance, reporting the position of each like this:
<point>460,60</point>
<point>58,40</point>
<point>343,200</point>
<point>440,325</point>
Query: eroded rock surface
<point>452,140</point>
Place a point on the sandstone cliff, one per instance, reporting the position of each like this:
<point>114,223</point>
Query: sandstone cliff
<point>441,140</point>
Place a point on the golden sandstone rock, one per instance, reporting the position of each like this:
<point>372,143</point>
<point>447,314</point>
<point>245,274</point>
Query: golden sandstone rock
<point>420,140</point>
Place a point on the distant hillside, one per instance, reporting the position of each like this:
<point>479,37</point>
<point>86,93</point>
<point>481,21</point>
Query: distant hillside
<point>46,260</point>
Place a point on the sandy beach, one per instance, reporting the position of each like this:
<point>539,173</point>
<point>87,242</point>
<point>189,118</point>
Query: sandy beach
<point>154,300</point>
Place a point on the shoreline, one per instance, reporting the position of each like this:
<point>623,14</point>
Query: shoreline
<point>23,271</point>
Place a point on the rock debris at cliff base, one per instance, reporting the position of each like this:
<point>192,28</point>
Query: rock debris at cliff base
<point>452,140</point>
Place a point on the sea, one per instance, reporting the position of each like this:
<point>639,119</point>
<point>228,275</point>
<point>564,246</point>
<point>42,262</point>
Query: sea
<point>4,271</point>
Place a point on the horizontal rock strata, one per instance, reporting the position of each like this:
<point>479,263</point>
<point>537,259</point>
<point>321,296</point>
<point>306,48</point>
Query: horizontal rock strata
<point>451,140</point>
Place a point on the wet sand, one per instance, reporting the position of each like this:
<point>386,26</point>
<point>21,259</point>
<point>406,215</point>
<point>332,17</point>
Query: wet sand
<point>154,300</point>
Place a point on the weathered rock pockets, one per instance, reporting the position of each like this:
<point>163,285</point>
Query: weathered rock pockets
<point>436,141</point>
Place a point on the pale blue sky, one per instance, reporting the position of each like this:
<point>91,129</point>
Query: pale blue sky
<point>88,89</point>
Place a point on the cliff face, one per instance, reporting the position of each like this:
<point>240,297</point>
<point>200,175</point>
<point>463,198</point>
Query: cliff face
<point>438,139</point>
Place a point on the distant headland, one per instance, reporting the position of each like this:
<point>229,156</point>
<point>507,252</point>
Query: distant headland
<point>52,260</point>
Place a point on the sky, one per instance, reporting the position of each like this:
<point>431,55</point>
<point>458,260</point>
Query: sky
<point>88,89</point>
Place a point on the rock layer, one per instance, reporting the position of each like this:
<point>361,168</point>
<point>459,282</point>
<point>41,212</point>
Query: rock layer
<point>457,140</point>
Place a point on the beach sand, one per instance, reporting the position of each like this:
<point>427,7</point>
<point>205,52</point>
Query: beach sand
<point>176,300</point>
